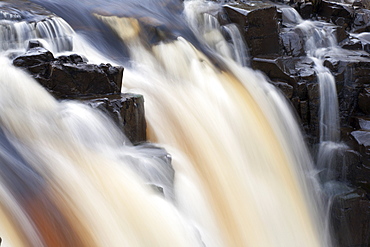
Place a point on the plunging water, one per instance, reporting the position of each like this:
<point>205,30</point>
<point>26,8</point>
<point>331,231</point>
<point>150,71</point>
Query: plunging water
<point>243,176</point>
<point>320,40</point>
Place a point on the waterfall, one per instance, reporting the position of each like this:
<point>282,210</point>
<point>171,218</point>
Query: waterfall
<point>320,40</point>
<point>243,175</point>
<point>54,33</point>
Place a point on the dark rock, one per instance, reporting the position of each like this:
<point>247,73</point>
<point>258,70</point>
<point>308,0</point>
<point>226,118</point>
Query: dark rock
<point>305,10</point>
<point>293,44</point>
<point>364,100</point>
<point>34,44</point>
<point>70,76</point>
<point>34,57</point>
<point>313,90</point>
<point>127,110</point>
<point>352,44</point>
<point>341,33</point>
<point>285,88</point>
<point>338,13</point>
<point>361,21</point>
<point>274,68</point>
<point>361,123</point>
<point>260,25</point>
<point>350,219</point>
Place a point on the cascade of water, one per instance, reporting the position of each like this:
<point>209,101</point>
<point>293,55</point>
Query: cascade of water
<point>53,32</point>
<point>318,40</point>
<point>241,167</point>
<point>209,28</point>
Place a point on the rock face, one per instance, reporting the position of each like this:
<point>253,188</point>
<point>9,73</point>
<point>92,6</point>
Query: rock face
<point>71,77</point>
<point>351,219</point>
<point>260,27</point>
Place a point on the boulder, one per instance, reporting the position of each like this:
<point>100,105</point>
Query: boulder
<point>127,110</point>
<point>70,76</point>
<point>260,26</point>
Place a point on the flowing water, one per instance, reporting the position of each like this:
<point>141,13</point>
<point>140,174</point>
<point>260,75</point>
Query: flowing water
<point>243,176</point>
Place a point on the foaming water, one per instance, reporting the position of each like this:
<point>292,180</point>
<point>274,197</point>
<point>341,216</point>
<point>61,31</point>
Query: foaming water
<point>243,176</point>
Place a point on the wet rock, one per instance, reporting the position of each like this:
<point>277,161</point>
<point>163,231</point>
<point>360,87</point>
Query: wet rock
<point>313,90</point>
<point>352,44</point>
<point>293,44</point>
<point>158,173</point>
<point>285,88</point>
<point>350,219</point>
<point>34,57</point>
<point>338,13</point>
<point>351,70</point>
<point>70,76</point>
<point>260,27</point>
<point>127,110</point>
<point>361,123</point>
<point>364,100</point>
<point>275,68</point>
<point>361,21</point>
<point>305,10</point>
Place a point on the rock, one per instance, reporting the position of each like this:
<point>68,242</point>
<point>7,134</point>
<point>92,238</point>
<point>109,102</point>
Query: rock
<point>127,110</point>
<point>293,44</point>
<point>70,76</point>
<point>285,88</point>
<point>305,10</point>
<point>352,44</point>
<point>350,219</point>
<point>313,90</point>
<point>361,21</point>
<point>364,100</point>
<point>275,69</point>
<point>260,25</point>
<point>361,123</point>
<point>338,13</point>
<point>34,57</point>
<point>158,173</point>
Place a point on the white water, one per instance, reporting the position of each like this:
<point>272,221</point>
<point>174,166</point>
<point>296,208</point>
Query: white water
<point>242,171</point>
<point>54,33</point>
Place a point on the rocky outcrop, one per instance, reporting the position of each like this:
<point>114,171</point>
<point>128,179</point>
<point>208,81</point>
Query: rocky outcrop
<point>71,77</point>
<point>280,55</point>
<point>260,27</point>
<point>127,110</point>
<point>350,223</point>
